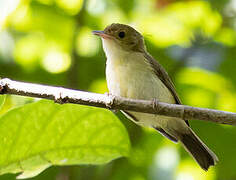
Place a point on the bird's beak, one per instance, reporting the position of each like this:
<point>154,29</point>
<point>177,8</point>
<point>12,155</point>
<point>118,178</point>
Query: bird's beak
<point>102,34</point>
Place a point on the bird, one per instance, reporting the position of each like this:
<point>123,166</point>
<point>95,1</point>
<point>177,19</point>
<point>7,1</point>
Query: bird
<point>131,72</point>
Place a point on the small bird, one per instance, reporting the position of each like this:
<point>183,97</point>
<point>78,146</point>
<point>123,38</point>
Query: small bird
<point>131,72</point>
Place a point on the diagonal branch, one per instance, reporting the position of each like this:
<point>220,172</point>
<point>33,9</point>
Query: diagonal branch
<point>63,95</point>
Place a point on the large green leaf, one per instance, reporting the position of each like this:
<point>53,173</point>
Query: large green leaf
<point>38,135</point>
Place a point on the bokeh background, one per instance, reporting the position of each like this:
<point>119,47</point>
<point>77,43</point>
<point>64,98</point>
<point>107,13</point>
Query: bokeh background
<point>50,42</point>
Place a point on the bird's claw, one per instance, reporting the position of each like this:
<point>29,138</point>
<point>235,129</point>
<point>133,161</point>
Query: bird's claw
<point>109,105</point>
<point>154,103</point>
<point>60,97</point>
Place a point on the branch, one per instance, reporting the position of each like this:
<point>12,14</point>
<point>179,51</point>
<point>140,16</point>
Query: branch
<point>63,95</point>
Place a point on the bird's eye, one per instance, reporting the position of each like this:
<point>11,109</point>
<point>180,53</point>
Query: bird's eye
<point>121,34</point>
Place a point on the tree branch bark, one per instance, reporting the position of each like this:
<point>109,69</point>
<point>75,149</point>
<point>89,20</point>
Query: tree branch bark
<point>63,95</point>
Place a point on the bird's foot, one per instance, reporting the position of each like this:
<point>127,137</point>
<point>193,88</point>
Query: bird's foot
<point>109,105</point>
<point>155,103</point>
<point>60,97</point>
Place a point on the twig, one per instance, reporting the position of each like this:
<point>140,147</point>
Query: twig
<point>63,95</point>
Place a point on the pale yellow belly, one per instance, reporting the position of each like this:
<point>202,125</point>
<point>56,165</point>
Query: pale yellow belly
<point>136,82</point>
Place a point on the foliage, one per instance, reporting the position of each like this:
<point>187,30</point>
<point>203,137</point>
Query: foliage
<point>2,100</point>
<point>50,42</point>
<point>41,134</point>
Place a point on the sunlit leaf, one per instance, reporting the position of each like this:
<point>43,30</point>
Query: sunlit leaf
<point>38,135</point>
<point>2,100</point>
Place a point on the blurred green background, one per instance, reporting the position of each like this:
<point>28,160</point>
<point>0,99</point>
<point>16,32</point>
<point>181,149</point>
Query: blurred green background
<point>50,42</point>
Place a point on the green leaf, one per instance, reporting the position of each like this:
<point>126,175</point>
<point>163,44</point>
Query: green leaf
<point>2,100</point>
<point>38,135</point>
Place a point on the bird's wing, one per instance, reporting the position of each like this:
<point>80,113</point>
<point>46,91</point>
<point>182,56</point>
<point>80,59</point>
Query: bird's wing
<point>164,77</point>
<point>133,118</point>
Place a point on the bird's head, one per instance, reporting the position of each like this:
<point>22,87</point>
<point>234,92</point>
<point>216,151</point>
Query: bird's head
<point>121,36</point>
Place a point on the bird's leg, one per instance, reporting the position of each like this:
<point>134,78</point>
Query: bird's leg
<point>155,103</point>
<point>60,97</point>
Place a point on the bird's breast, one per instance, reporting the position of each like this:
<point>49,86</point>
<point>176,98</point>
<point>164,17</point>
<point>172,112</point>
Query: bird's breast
<point>130,75</point>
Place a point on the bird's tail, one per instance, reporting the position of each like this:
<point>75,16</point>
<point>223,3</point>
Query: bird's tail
<point>198,150</point>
